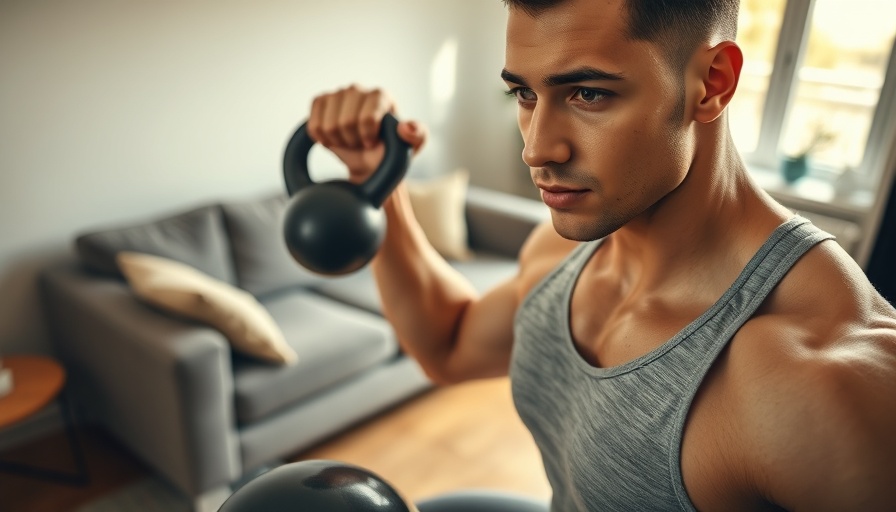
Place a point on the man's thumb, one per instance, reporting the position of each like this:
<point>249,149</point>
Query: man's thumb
<point>413,133</point>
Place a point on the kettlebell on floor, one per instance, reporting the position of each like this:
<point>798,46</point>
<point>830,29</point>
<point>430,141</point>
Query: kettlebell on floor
<point>317,486</point>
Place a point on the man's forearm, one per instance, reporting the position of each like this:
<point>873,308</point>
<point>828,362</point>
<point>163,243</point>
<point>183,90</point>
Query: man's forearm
<point>423,297</point>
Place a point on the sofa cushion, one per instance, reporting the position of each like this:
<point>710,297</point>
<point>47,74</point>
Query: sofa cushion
<point>180,289</point>
<point>359,289</point>
<point>262,262</point>
<point>195,237</point>
<point>439,206</point>
<point>335,343</point>
<point>487,270</point>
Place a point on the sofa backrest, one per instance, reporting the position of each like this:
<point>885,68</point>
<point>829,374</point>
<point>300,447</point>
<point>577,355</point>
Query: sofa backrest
<point>239,242</point>
<point>196,237</point>
<point>499,222</point>
<point>262,262</point>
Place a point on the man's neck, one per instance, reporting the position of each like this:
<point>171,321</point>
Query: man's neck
<point>706,229</point>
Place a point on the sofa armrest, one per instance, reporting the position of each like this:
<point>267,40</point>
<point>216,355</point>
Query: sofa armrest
<point>499,222</point>
<point>163,386</point>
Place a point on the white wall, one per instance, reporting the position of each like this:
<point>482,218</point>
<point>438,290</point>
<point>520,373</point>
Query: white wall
<point>114,111</point>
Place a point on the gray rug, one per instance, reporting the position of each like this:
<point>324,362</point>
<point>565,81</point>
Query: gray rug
<point>145,495</point>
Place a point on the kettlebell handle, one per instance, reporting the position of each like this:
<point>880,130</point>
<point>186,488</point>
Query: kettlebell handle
<point>378,186</point>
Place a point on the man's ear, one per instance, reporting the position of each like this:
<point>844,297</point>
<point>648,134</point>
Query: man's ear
<point>721,72</point>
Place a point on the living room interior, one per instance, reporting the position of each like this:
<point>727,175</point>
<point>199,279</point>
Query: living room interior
<point>115,115</point>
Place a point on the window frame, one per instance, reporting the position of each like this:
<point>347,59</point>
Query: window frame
<point>789,54</point>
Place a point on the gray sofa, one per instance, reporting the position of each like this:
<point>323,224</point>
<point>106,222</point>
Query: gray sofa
<point>174,393</point>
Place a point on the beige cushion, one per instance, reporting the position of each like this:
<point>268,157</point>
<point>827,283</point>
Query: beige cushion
<point>439,205</point>
<point>181,289</point>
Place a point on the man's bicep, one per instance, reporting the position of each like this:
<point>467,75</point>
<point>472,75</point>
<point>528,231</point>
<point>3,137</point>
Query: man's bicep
<point>856,473</point>
<point>485,335</point>
<point>842,453</point>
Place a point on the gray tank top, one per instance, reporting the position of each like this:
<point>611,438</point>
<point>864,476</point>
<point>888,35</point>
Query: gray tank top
<point>610,438</point>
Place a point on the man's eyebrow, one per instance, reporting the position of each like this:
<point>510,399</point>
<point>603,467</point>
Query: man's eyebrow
<point>586,74</point>
<point>507,76</point>
<point>581,75</point>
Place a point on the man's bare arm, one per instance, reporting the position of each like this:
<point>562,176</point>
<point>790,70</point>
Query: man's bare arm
<point>830,440</point>
<point>438,316</point>
<point>440,319</point>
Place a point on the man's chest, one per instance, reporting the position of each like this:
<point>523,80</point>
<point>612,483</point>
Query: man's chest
<point>609,328</point>
<point>716,468</point>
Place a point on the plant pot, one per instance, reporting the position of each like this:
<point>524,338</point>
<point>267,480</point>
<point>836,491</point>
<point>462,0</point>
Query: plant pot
<point>794,168</point>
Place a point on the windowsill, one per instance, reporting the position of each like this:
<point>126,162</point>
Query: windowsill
<point>814,194</point>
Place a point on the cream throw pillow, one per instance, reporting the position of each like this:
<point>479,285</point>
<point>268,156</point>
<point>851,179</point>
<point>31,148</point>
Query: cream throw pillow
<point>439,205</point>
<point>184,290</point>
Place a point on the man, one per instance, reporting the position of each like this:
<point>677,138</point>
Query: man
<point>676,339</point>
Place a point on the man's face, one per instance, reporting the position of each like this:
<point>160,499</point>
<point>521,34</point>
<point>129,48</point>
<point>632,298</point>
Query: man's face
<point>600,114</point>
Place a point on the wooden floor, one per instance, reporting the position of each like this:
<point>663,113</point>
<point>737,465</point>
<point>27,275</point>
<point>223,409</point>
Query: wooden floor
<point>109,467</point>
<point>460,437</point>
<point>466,436</point>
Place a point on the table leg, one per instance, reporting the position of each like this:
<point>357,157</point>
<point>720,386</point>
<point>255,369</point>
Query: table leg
<point>80,478</point>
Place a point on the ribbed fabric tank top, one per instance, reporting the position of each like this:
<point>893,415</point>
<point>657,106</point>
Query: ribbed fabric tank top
<point>610,438</point>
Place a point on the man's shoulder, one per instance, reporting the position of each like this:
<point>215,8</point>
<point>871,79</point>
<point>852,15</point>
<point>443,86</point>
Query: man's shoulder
<point>543,250</point>
<point>823,297</point>
<point>817,359</point>
<point>544,242</point>
<point>820,409</point>
<point>825,318</point>
<point>816,370</point>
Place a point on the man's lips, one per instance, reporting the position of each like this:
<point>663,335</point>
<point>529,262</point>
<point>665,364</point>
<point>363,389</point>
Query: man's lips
<point>560,197</point>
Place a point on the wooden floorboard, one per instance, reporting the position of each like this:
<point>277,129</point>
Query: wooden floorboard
<point>109,467</point>
<point>448,439</point>
<point>459,437</point>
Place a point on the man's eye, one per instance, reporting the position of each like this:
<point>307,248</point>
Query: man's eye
<point>522,94</point>
<point>591,95</point>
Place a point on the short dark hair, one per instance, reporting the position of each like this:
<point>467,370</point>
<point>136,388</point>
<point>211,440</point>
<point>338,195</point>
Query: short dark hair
<point>678,25</point>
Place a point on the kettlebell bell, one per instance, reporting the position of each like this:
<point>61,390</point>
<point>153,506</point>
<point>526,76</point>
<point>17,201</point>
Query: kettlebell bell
<point>317,486</point>
<point>336,227</point>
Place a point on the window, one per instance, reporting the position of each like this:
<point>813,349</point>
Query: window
<point>819,75</point>
<point>757,35</point>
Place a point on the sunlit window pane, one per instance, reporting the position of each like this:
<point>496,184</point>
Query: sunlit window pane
<point>757,35</point>
<point>840,80</point>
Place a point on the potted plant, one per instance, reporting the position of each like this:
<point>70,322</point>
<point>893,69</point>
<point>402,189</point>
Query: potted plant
<point>795,166</point>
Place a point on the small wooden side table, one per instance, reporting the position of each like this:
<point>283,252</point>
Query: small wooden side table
<point>36,382</point>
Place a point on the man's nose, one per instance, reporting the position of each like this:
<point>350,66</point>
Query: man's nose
<point>546,139</point>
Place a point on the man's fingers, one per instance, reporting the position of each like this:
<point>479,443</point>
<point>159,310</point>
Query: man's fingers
<point>375,105</point>
<point>351,118</point>
<point>413,133</point>
<point>330,130</point>
<point>349,114</point>
<point>315,120</point>
<point>323,120</point>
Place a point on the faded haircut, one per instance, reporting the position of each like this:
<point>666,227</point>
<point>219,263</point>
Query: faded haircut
<point>677,26</point>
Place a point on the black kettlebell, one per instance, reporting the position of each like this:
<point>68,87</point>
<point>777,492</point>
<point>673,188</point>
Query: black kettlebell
<point>317,486</point>
<point>336,227</point>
